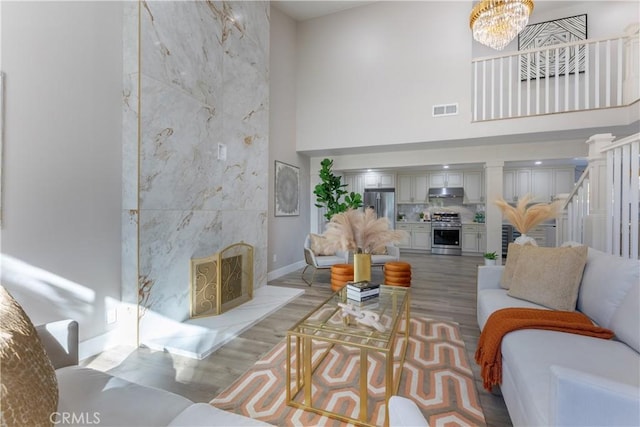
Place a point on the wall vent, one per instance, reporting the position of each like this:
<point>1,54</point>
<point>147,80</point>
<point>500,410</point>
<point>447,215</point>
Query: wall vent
<point>445,110</point>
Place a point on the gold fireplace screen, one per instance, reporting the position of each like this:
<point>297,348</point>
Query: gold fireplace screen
<point>222,281</point>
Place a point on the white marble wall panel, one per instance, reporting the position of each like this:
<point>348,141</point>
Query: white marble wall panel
<point>130,75</point>
<point>246,96</point>
<point>181,47</point>
<point>168,241</point>
<point>204,81</point>
<point>178,157</point>
<point>130,256</point>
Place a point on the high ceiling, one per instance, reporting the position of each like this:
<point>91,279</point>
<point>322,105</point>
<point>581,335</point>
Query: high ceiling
<point>302,10</point>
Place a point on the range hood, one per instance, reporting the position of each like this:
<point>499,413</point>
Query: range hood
<point>446,192</point>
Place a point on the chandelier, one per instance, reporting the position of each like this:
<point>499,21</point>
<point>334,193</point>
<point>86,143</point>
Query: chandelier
<point>496,22</point>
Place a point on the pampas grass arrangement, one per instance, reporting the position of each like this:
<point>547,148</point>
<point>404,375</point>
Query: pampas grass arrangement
<point>360,231</point>
<point>524,217</point>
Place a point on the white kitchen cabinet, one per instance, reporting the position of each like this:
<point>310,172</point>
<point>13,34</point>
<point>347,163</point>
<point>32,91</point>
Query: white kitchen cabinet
<point>406,242</point>
<point>412,189</point>
<point>474,238</point>
<point>516,183</point>
<point>509,185</point>
<point>523,183</point>
<point>355,183</point>
<point>542,185</point>
<point>473,187</point>
<point>421,236</point>
<point>379,180</point>
<point>446,179</point>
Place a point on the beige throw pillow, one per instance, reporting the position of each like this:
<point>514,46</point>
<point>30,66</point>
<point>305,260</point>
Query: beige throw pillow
<point>380,250</point>
<point>549,276</point>
<point>29,389</point>
<point>513,253</point>
<point>319,245</point>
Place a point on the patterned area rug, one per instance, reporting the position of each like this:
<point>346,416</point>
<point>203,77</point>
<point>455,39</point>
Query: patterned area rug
<point>436,375</point>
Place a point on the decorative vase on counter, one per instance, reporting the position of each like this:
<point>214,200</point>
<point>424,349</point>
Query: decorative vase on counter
<point>361,267</point>
<point>524,240</point>
<point>489,261</point>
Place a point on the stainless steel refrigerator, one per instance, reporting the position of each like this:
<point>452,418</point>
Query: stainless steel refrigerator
<point>383,201</point>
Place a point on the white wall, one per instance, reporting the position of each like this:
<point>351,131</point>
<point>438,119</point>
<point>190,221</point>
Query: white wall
<point>369,76</point>
<point>286,234</point>
<point>62,153</point>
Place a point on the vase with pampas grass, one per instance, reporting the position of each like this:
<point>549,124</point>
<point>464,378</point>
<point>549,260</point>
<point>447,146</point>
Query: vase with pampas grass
<point>360,232</point>
<point>524,216</point>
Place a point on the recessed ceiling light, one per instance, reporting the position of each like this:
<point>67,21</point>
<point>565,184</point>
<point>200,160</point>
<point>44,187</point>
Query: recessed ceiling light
<point>445,167</point>
<point>538,162</point>
<point>368,170</point>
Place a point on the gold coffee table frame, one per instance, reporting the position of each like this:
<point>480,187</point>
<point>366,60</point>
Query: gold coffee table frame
<point>325,324</point>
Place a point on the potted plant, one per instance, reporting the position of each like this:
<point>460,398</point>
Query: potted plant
<point>490,258</point>
<point>331,190</point>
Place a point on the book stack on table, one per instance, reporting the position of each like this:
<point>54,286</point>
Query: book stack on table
<point>362,291</point>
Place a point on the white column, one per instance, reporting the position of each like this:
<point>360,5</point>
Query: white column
<point>630,86</point>
<point>596,221</point>
<point>493,180</point>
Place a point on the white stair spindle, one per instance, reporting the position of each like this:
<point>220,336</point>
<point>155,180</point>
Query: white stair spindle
<point>608,75</point>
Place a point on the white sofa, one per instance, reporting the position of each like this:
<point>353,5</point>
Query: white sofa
<point>91,397</point>
<point>555,378</point>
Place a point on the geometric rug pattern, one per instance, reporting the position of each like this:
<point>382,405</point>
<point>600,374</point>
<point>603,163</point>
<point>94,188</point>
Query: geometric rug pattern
<point>436,375</point>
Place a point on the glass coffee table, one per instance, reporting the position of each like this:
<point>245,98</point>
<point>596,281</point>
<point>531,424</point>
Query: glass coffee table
<point>312,339</point>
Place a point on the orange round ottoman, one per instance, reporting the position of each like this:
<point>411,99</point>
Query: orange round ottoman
<point>340,275</point>
<point>397,273</point>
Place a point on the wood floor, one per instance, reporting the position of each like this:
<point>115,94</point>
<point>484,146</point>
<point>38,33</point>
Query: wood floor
<point>442,287</point>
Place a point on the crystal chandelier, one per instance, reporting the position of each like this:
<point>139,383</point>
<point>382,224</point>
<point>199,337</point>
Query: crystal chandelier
<point>496,22</point>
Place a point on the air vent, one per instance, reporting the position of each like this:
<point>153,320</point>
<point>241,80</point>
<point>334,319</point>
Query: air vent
<point>445,110</point>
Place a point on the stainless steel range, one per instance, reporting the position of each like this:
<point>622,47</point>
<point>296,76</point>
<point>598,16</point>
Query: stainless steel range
<point>446,233</point>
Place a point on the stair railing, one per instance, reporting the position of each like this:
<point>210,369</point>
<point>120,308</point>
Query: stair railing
<point>603,210</point>
<point>623,193</point>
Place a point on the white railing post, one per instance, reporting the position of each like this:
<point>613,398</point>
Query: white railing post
<point>596,233</point>
<point>631,89</point>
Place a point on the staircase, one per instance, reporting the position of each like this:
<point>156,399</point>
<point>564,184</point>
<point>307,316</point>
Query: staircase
<point>603,209</point>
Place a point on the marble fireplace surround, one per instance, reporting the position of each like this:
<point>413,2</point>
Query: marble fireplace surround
<point>196,74</point>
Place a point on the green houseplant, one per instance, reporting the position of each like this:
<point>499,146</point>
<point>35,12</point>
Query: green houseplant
<point>331,190</point>
<point>490,258</point>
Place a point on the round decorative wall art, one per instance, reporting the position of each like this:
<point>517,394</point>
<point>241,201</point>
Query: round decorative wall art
<point>287,201</point>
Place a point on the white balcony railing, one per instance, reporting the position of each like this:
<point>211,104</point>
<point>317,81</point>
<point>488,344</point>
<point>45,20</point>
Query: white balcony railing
<point>545,81</point>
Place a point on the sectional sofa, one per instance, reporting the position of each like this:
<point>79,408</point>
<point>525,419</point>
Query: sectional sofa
<point>557,378</point>
<point>88,396</point>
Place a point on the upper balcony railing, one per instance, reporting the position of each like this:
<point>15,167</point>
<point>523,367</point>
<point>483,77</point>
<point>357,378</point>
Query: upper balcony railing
<point>545,81</point>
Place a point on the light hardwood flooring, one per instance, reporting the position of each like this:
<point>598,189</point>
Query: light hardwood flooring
<point>443,287</point>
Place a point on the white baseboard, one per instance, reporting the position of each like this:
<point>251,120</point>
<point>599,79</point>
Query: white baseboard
<point>272,275</point>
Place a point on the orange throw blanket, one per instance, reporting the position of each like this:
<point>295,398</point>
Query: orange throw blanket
<point>501,322</point>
